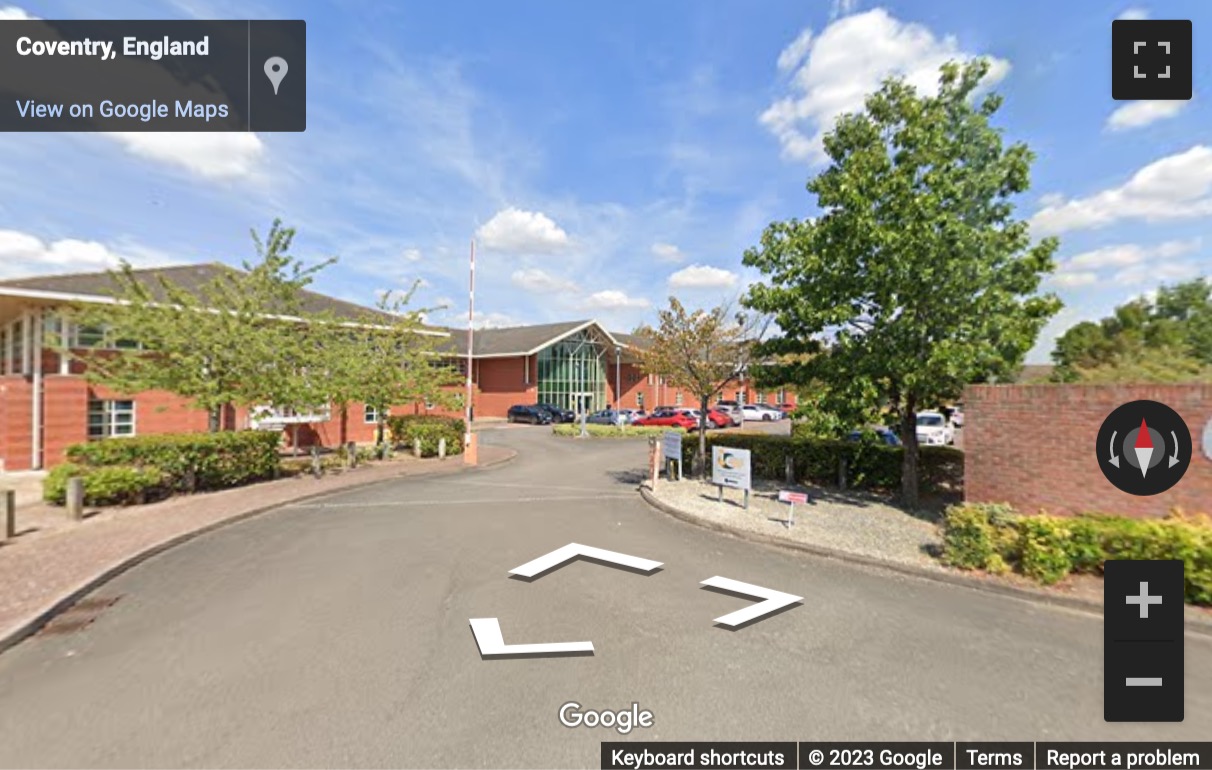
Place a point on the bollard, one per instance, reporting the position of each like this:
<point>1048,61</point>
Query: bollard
<point>416,447</point>
<point>351,454</point>
<point>441,449</point>
<point>317,468</point>
<point>75,498</point>
<point>10,514</point>
<point>789,470</point>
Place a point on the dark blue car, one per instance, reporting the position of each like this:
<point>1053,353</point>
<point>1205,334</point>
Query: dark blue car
<point>882,435</point>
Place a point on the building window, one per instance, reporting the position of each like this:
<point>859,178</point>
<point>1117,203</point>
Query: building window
<point>107,419</point>
<point>761,398</point>
<point>639,399</point>
<point>16,359</point>
<point>678,399</point>
<point>96,336</point>
<point>740,396</point>
<point>370,415</point>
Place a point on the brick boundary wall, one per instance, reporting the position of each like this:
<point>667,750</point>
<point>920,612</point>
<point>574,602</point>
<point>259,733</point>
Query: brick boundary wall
<point>1033,446</point>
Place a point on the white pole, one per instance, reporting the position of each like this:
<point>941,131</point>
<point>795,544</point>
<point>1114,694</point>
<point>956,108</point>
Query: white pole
<point>471,311</point>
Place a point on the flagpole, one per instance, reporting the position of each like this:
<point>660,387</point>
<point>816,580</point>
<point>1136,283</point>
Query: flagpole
<point>471,311</point>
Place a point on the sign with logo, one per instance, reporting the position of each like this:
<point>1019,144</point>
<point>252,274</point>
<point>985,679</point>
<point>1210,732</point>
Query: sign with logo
<point>671,446</point>
<point>795,498</point>
<point>730,467</point>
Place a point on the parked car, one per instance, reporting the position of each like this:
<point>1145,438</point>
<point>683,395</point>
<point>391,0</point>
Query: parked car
<point>933,430</point>
<point>632,415</point>
<point>881,435</point>
<point>558,414</point>
<point>670,419</point>
<point>732,409</point>
<point>718,419</point>
<point>753,412</point>
<point>774,412</point>
<point>609,417</point>
<point>786,409</point>
<point>528,414</point>
<point>957,415</point>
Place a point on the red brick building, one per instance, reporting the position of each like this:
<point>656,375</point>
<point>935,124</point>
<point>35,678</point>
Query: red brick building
<point>46,403</point>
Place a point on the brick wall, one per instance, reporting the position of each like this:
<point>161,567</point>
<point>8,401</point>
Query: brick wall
<point>15,422</point>
<point>64,416</point>
<point>1033,446</point>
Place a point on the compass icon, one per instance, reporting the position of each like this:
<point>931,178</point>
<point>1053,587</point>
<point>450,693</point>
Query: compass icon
<point>1144,448</point>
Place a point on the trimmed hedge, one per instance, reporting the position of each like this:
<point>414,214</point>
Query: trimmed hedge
<point>189,461</point>
<point>612,431</point>
<point>404,429</point>
<point>1048,548</point>
<point>105,485</point>
<point>869,465</point>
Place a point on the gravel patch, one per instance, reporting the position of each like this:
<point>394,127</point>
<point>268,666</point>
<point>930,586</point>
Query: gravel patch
<point>855,524</point>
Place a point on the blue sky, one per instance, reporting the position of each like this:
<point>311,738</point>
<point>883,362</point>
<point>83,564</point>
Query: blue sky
<point>606,156</point>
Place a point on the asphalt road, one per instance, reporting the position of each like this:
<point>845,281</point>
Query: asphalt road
<point>335,633</point>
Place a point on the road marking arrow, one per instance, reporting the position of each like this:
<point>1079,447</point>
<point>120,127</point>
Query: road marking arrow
<point>487,632</point>
<point>774,600</point>
<point>571,551</point>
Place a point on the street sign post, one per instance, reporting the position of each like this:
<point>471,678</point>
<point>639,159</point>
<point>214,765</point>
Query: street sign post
<point>731,468</point>
<point>792,498</point>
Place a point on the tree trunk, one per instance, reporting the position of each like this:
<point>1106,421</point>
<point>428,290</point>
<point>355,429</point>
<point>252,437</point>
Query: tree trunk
<point>909,490</point>
<point>344,424</point>
<point>703,464</point>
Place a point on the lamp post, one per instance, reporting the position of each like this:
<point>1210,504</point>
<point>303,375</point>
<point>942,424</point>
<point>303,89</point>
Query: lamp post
<point>618,391</point>
<point>470,454</point>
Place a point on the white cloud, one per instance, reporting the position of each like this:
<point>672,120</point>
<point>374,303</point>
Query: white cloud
<point>848,61</point>
<point>515,231</point>
<point>412,255</point>
<point>1125,254</point>
<point>494,321</point>
<point>1074,279</point>
<point>1174,187</point>
<point>1156,273</point>
<point>22,254</point>
<point>535,280</point>
<point>842,8</point>
<point>1142,113</point>
<point>13,13</point>
<point>211,155</point>
<point>1133,14</point>
<point>703,277</point>
<point>612,299</point>
<point>667,252</point>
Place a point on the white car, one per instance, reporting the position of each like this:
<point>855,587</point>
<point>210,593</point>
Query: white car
<point>756,413</point>
<point>774,412</point>
<point>957,416</point>
<point>933,430</point>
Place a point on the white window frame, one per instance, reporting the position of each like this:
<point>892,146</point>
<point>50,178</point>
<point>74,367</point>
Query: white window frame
<point>109,412</point>
<point>677,400</point>
<point>370,415</point>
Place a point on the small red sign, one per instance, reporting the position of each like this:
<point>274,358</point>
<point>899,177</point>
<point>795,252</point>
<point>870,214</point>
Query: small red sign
<point>795,498</point>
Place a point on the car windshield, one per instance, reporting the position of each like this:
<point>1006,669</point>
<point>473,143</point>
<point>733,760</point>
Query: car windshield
<point>929,420</point>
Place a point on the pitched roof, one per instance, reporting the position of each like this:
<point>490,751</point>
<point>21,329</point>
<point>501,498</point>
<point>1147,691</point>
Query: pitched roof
<point>101,285</point>
<point>522,340</point>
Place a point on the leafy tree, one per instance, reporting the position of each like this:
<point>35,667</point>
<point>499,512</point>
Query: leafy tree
<point>701,352</point>
<point>232,341</point>
<point>385,358</point>
<point>1134,343</point>
<point>915,272</point>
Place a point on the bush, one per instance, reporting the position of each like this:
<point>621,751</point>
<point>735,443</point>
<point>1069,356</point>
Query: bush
<point>104,485</point>
<point>819,460</point>
<point>189,461</point>
<point>612,431</point>
<point>1047,548</point>
<point>430,428</point>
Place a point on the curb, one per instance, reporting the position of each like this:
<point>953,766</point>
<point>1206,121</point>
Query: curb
<point>32,625</point>
<point>1195,626</point>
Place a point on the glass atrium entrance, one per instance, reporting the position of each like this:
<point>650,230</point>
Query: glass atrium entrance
<point>572,372</point>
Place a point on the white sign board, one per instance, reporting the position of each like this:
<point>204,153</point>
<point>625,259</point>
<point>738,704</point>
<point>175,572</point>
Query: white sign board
<point>795,498</point>
<point>671,446</point>
<point>1208,440</point>
<point>730,467</point>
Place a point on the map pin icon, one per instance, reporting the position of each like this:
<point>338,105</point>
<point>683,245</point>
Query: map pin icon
<point>275,70</point>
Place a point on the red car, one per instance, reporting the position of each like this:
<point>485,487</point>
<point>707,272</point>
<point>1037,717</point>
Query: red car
<point>718,418</point>
<point>669,419</point>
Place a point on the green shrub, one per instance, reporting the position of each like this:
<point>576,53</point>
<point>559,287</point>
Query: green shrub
<point>1047,548</point>
<point>612,431</point>
<point>104,485</point>
<point>1044,549</point>
<point>190,461</point>
<point>430,428</point>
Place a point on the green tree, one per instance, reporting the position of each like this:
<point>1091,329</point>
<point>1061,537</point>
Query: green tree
<point>1134,343</point>
<point>384,358</point>
<point>232,341</point>
<point>700,351</point>
<point>915,270</point>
